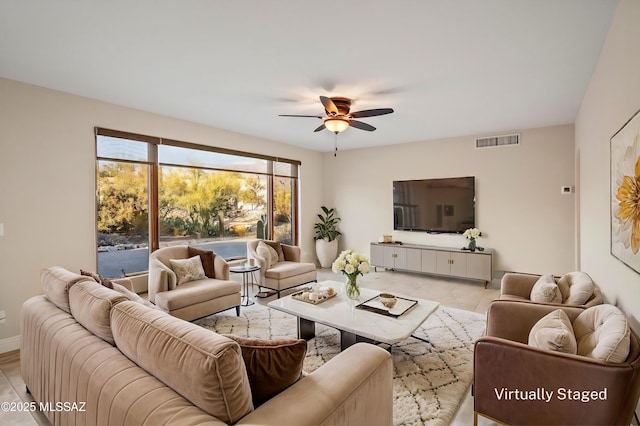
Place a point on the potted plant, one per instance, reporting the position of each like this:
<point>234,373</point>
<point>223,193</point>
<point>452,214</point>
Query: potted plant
<point>326,236</point>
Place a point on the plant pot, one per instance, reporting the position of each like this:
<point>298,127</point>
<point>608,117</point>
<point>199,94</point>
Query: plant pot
<point>327,252</point>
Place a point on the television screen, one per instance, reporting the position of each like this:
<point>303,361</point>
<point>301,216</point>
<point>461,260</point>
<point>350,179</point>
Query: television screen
<point>434,205</point>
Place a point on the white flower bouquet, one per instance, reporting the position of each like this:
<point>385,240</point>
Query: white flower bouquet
<point>472,233</point>
<point>351,264</point>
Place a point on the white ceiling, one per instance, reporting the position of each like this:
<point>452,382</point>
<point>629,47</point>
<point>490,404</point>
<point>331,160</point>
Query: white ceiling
<point>447,67</point>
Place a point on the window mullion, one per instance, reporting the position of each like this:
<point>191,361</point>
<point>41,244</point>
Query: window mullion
<point>154,214</point>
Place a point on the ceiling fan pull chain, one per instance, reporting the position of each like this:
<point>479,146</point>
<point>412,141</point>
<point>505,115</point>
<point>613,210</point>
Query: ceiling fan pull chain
<point>335,144</point>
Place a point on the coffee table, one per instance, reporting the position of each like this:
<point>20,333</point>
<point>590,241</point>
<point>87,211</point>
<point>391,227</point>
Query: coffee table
<point>354,324</point>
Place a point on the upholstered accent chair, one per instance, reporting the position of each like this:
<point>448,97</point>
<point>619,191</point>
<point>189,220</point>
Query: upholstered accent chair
<point>508,360</point>
<point>280,267</point>
<point>194,298</point>
<point>573,288</point>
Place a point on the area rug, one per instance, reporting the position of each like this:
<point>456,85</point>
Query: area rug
<point>11,412</point>
<point>430,378</point>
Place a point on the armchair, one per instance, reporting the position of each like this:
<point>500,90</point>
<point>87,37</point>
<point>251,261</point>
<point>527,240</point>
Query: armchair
<point>194,299</point>
<point>518,286</point>
<point>504,362</point>
<point>283,271</point>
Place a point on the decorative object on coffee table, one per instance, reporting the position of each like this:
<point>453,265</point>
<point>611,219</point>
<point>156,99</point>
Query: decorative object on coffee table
<point>351,264</point>
<point>472,234</point>
<point>326,236</point>
<point>388,300</point>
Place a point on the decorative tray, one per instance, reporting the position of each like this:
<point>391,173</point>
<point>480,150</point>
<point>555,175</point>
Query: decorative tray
<point>375,305</point>
<point>322,297</point>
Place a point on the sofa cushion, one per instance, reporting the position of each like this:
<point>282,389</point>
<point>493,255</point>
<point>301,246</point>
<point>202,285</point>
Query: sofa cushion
<point>580,287</point>
<point>288,269</point>
<point>202,366</point>
<point>272,365</point>
<point>545,290</point>
<point>91,305</point>
<point>554,332</point>
<point>207,258</point>
<point>132,296</point>
<point>603,333</point>
<point>268,253</point>
<point>56,282</point>
<point>195,292</point>
<point>186,270</point>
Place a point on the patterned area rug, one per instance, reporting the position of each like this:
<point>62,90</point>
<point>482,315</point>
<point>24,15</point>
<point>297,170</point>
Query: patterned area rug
<point>430,379</point>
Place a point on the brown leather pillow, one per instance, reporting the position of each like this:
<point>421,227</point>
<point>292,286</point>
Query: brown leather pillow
<point>206,256</point>
<point>272,365</point>
<point>278,248</point>
<point>97,278</point>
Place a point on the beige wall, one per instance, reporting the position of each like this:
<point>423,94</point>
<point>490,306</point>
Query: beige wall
<point>612,98</point>
<point>519,207</point>
<point>47,180</point>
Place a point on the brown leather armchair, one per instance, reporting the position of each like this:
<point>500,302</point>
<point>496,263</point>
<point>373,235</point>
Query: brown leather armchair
<point>517,286</point>
<point>503,362</point>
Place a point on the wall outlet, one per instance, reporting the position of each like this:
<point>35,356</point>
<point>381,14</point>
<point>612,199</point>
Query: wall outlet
<point>1,229</point>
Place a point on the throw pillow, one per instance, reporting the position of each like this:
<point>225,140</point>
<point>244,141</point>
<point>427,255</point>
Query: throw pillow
<point>187,269</point>
<point>277,247</point>
<point>545,290</point>
<point>268,253</point>
<point>272,365</point>
<point>97,278</point>
<point>554,332</point>
<point>206,257</point>
<point>603,333</point>
<point>580,287</point>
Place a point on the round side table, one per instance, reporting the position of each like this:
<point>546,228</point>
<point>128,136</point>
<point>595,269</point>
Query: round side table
<point>246,271</point>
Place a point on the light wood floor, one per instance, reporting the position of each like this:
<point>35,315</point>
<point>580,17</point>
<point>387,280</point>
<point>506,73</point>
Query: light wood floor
<point>467,295</point>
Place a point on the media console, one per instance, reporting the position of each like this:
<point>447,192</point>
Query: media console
<point>434,260</point>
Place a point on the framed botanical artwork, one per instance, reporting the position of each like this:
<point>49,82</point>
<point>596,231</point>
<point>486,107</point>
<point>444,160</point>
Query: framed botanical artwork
<point>625,193</point>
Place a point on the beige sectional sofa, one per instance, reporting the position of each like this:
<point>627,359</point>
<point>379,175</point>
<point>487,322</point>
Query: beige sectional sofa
<point>110,360</point>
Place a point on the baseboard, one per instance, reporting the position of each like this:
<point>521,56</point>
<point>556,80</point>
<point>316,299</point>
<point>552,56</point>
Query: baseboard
<point>10,344</point>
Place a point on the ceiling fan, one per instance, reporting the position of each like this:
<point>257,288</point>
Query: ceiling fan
<point>338,118</point>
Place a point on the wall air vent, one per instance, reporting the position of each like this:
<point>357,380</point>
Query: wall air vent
<point>498,141</point>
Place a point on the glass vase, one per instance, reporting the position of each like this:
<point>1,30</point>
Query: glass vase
<point>351,288</point>
<point>472,244</point>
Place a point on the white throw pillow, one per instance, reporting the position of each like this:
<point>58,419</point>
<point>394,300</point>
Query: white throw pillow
<point>188,269</point>
<point>269,253</point>
<point>545,290</point>
<point>603,333</point>
<point>553,332</point>
<point>580,287</point>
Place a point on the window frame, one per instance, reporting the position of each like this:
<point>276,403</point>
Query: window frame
<point>154,170</point>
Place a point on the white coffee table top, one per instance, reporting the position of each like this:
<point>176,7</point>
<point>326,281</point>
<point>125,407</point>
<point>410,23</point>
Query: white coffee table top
<point>340,312</point>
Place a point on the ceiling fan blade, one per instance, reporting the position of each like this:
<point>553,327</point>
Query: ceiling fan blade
<point>362,126</point>
<point>293,115</point>
<point>329,105</point>
<point>371,112</point>
<point>320,128</point>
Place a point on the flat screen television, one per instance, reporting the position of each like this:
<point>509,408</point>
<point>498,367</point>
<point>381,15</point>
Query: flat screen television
<point>434,205</point>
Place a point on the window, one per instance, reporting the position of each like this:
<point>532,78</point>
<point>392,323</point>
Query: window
<point>154,193</point>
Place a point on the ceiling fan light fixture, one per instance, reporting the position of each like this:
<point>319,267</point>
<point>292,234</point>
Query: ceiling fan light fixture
<point>336,124</point>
